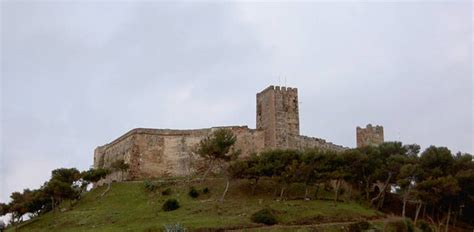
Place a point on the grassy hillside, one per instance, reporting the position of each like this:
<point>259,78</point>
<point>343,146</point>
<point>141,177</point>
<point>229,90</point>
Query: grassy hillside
<point>129,207</point>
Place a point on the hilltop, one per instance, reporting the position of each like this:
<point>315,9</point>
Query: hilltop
<point>129,206</point>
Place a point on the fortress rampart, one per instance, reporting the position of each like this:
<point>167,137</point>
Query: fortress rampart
<point>165,152</point>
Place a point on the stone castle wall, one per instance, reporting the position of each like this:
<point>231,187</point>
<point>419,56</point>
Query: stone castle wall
<point>163,152</point>
<point>305,142</point>
<point>155,152</point>
<point>369,136</point>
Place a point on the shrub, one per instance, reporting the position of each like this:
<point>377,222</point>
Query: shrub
<point>409,225</point>
<point>193,193</point>
<point>150,186</point>
<point>166,192</point>
<point>424,226</point>
<point>265,216</point>
<point>399,226</point>
<point>359,226</point>
<point>205,190</point>
<point>175,228</point>
<point>170,205</point>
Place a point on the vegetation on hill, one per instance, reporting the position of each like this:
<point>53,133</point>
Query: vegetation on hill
<point>433,185</point>
<point>128,206</point>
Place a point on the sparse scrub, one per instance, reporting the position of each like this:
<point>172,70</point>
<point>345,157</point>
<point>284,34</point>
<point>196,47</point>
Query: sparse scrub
<point>193,193</point>
<point>205,190</point>
<point>265,216</point>
<point>170,205</point>
<point>166,192</point>
<point>409,224</point>
<point>150,186</point>
<point>424,226</point>
<point>359,226</point>
<point>399,226</point>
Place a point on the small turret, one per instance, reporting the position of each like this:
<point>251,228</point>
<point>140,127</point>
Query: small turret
<point>369,136</point>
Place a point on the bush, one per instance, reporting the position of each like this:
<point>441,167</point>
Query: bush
<point>265,216</point>
<point>193,193</point>
<point>150,186</point>
<point>174,228</point>
<point>205,190</point>
<point>424,226</point>
<point>170,205</point>
<point>359,226</point>
<point>410,226</point>
<point>399,226</point>
<point>166,192</point>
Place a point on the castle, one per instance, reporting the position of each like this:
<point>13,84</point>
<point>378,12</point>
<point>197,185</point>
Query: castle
<point>161,152</point>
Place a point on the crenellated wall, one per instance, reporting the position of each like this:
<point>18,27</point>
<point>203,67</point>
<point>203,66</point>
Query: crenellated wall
<point>305,142</point>
<point>369,136</point>
<point>164,152</point>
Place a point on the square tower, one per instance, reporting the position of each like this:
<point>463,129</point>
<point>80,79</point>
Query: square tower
<point>369,136</point>
<point>278,117</point>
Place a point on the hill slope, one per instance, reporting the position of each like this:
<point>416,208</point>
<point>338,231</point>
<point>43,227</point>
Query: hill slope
<point>129,206</point>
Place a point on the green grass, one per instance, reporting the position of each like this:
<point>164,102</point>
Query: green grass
<point>129,207</point>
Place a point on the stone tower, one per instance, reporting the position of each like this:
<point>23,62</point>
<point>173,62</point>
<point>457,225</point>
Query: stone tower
<point>369,136</point>
<point>278,117</point>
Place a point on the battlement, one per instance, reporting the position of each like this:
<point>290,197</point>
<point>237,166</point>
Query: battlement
<point>372,128</point>
<point>304,142</point>
<point>279,89</point>
<point>369,136</point>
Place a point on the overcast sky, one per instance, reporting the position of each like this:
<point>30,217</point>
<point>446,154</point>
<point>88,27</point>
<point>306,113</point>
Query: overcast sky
<point>77,75</point>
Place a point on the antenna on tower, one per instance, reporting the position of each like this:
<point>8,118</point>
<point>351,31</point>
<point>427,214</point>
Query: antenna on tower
<point>285,81</point>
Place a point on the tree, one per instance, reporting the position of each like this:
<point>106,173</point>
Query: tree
<point>319,167</point>
<point>464,174</point>
<point>441,193</point>
<point>285,168</point>
<point>38,202</point>
<point>253,170</point>
<point>66,175</point>
<point>218,147</point>
<point>356,165</point>
<point>369,157</point>
<point>406,181</point>
<point>337,172</point>
<point>436,162</point>
<point>120,166</point>
<point>306,171</point>
<point>92,176</point>
<point>4,209</point>
<point>59,191</point>
<point>437,184</point>
<point>18,205</point>
<point>392,156</point>
<point>246,169</point>
<point>62,186</point>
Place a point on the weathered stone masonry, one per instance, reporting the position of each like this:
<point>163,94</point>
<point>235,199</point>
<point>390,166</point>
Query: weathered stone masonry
<point>369,136</point>
<point>162,152</point>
